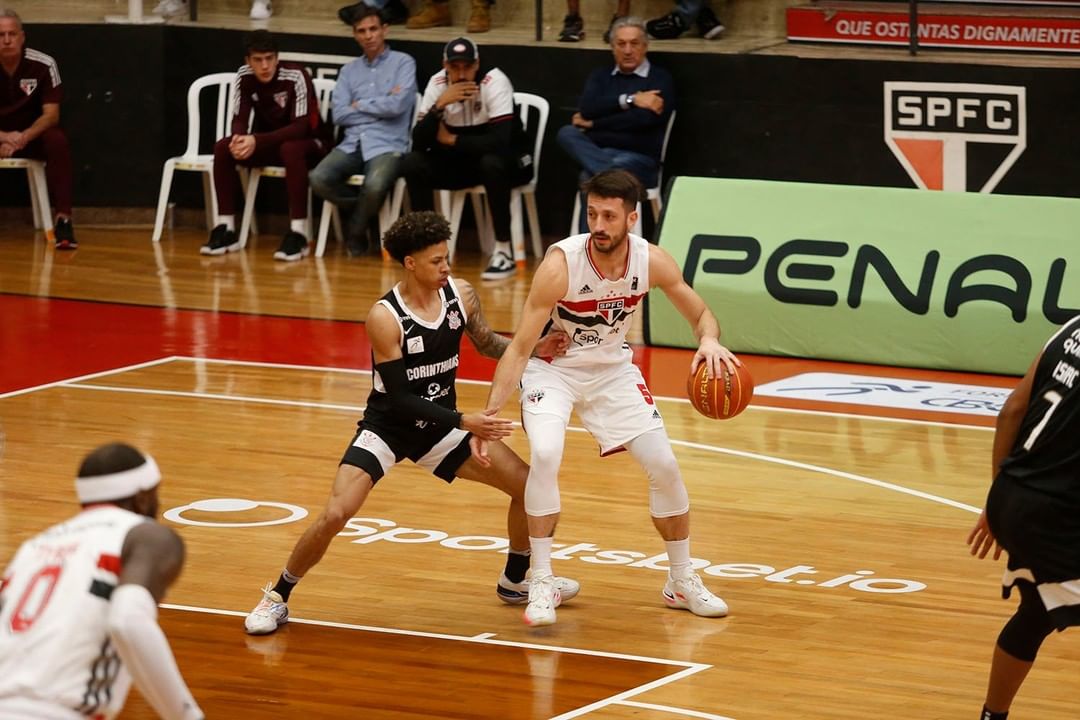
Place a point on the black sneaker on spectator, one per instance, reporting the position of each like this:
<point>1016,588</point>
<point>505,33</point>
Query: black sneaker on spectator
<point>395,12</point>
<point>573,29</point>
<point>501,266</point>
<point>709,25</point>
<point>293,247</point>
<point>607,33</point>
<point>64,235</point>
<point>221,241</point>
<point>667,27</point>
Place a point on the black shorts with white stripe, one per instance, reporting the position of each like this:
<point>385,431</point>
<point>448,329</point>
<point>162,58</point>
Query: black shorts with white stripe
<point>378,446</point>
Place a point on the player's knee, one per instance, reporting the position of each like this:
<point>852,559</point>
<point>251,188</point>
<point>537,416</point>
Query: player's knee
<point>545,454</point>
<point>1023,635</point>
<point>334,517</point>
<point>668,498</point>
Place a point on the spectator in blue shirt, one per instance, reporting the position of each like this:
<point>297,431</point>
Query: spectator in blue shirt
<point>373,103</point>
<point>623,112</point>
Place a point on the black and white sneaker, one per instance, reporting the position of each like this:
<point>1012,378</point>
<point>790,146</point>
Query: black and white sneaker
<point>64,235</point>
<point>222,240</point>
<point>293,247</point>
<point>501,266</point>
<point>708,25</point>
<point>573,29</point>
<point>667,27</point>
<point>607,33</point>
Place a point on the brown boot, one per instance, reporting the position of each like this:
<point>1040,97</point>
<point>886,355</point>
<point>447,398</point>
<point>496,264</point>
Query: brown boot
<point>480,19</point>
<point>433,13</point>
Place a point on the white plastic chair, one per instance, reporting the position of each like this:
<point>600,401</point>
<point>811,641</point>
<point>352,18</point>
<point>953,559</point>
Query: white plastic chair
<point>521,195</point>
<point>192,160</point>
<point>652,194</point>
<point>388,213</point>
<point>39,190</point>
<point>324,88</point>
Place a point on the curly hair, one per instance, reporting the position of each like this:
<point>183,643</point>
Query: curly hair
<point>415,231</point>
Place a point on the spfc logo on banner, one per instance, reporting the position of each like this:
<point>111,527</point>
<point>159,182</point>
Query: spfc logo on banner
<point>28,85</point>
<point>955,136</point>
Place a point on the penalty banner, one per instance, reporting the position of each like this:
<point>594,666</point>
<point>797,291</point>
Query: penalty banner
<point>948,280</point>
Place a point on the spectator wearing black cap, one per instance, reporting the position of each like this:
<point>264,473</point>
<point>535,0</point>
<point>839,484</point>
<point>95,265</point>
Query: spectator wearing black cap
<point>373,102</point>
<point>465,137</point>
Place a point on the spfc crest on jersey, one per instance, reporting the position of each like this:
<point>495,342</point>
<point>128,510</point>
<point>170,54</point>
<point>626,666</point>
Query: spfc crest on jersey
<point>28,85</point>
<point>281,98</point>
<point>453,319</point>
<point>610,310</point>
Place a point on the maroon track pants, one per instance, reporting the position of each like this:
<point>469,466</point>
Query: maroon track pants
<point>52,147</point>
<point>296,156</point>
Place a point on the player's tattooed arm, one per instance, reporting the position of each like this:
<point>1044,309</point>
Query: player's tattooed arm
<point>488,342</point>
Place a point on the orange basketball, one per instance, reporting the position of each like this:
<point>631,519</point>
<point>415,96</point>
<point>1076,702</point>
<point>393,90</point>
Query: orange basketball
<point>721,397</point>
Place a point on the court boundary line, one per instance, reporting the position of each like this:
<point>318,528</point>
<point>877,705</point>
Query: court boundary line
<point>688,667</point>
<point>89,376</point>
<point>745,454</point>
<point>685,401</point>
<point>672,709</point>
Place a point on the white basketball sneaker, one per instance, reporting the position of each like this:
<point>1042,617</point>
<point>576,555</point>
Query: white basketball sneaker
<point>690,593</point>
<point>271,613</point>
<point>513,593</point>
<point>544,597</point>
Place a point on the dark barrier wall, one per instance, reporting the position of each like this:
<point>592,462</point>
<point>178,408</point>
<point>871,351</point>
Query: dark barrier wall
<point>740,116</point>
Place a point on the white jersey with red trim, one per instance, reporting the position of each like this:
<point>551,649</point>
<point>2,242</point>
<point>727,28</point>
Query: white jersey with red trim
<point>56,659</point>
<point>596,312</point>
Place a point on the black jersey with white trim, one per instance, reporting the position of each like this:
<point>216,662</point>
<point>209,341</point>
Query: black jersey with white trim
<point>431,353</point>
<point>1046,455</point>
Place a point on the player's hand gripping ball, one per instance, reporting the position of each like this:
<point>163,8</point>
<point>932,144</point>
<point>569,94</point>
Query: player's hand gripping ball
<point>720,397</point>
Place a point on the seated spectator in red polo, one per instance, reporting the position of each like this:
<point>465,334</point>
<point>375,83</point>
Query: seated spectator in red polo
<point>30,95</point>
<point>276,122</point>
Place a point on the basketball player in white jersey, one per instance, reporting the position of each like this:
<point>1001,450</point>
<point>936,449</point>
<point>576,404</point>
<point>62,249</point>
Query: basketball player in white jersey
<point>78,604</point>
<point>415,331</point>
<point>589,286</point>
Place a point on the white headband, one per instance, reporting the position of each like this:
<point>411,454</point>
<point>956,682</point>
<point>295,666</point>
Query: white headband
<point>116,486</point>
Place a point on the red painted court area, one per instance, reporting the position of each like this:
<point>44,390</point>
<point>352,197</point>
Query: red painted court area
<point>45,340</point>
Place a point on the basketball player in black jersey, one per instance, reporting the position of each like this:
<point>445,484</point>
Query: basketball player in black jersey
<point>1033,512</point>
<point>415,332</point>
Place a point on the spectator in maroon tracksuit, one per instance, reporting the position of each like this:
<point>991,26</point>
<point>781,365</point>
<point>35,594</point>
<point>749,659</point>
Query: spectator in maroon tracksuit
<point>276,121</point>
<point>30,95</point>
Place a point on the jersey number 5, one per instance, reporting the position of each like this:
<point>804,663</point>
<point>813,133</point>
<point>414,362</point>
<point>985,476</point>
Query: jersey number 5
<point>35,597</point>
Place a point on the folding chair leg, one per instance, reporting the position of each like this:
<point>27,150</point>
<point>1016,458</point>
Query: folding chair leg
<point>249,206</point>
<point>42,192</point>
<point>517,228</point>
<point>575,217</point>
<point>485,233</point>
<point>324,229</point>
<point>209,199</point>
<point>35,205</point>
<point>455,202</point>
<point>534,224</point>
<point>163,199</point>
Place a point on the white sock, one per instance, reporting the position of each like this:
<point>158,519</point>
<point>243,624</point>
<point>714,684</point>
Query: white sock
<point>299,226</point>
<point>229,221</point>
<point>678,552</point>
<point>541,557</point>
<point>504,248</point>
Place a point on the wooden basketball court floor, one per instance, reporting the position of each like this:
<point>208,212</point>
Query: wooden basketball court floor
<point>834,531</point>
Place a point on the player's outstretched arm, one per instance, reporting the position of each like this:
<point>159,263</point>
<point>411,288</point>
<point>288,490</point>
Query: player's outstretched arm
<point>665,274</point>
<point>548,286</point>
<point>151,560</point>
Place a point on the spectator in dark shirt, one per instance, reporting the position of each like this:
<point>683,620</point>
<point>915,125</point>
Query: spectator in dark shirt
<point>465,137</point>
<point>623,112</point>
<point>275,121</point>
<point>30,95</point>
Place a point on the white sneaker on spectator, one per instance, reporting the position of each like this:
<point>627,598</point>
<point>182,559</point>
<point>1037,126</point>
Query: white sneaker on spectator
<point>171,8</point>
<point>689,593</point>
<point>261,9</point>
<point>501,266</point>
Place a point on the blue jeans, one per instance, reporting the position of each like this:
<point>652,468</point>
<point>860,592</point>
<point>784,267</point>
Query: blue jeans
<point>328,181</point>
<point>689,9</point>
<point>593,159</point>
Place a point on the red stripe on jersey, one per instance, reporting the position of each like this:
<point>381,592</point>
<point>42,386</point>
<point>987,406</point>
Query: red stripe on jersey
<point>590,305</point>
<point>4,583</point>
<point>109,563</point>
